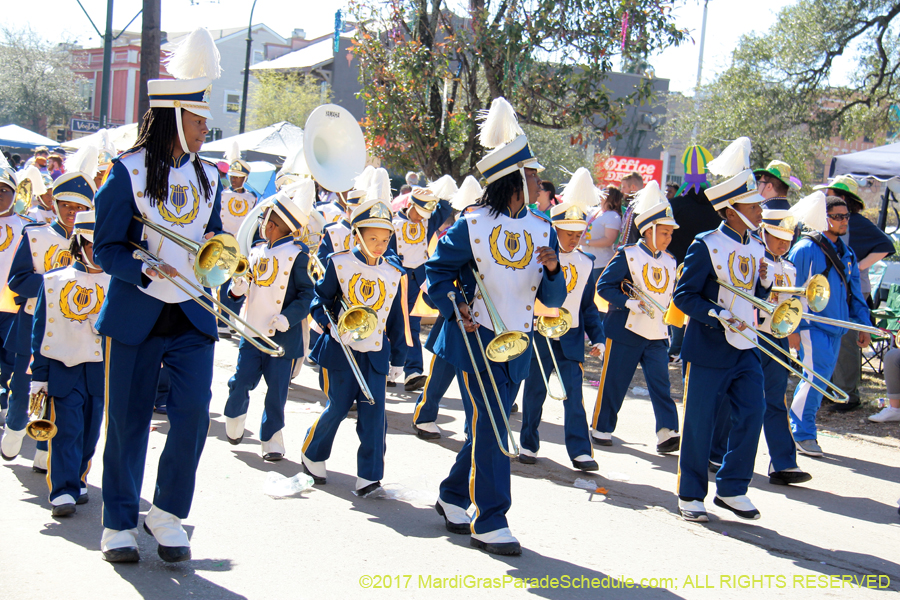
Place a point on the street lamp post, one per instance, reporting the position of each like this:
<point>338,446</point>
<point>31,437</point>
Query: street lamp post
<point>247,69</point>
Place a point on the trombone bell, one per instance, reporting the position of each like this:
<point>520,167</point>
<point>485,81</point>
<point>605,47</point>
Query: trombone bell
<point>817,292</point>
<point>506,346</point>
<point>786,318</point>
<point>555,327</point>
<point>40,429</point>
<point>360,321</point>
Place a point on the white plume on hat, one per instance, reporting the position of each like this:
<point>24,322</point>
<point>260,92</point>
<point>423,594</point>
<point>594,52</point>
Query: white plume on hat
<point>37,182</point>
<point>364,180</point>
<point>444,187</point>
<point>106,143</point>
<point>86,160</point>
<point>196,56</point>
<point>379,187</point>
<point>811,211</point>
<point>234,153</point>
<point>648,197</point>
<point>581,191</point>
<point>4,164</point>
<point>468,194</point>
<point>295,164</point>
<point>732,160</point>
<point>500,125</point>
<point>303,193</point>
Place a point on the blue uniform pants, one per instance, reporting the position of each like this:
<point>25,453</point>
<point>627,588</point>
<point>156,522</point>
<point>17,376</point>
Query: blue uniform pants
<point>7,359</point>
<point>229,302</point>
<point>439,379</point>
<point>132,374</point>
<point>481,473</point>
<point>343,390</point>
<point>577,434</point>
<point>618,369</point>
<point>252,365</point>
<point>78,417</point>
<point>414,363</point>
<point>705,389</point>
<point>819,352</point>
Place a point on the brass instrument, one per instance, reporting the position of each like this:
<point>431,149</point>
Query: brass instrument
<point>42,428</point>
<point>553,327</point>
<point>359,320</point>
<point>462,329</point>
<point>839,396</point>
<point>216,261</point>
<point>785,316</point>
<point>847,325</point>
<point>24,197</point>
<point>637,293</point>
<point>816,291</point>
<point>506,344</point>
<point>354,366</point>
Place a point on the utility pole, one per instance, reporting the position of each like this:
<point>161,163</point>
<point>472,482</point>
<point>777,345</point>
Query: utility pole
<point>246,69</point>
<point>107,66</point>
<point>150,41</point>
<point>700,67</point>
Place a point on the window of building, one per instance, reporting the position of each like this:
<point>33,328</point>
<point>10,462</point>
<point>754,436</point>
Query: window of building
<point>232,102</point>
<point>120,56</point>
<point>258,56</point>
<point>86,91</point>
<point>673,162</point>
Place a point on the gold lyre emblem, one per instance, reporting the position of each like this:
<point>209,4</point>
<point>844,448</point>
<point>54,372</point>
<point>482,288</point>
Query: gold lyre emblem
<point>238,206</point>
<point>653,278</point>
<point>55,258</point>
<point>7,239</point>
<point>178,199</point>
<point>413,233</point>
<point>261,268</point>
<point>743,277</point>
<point>571,275</point>
<point>513,246</point>
<point>366,294</point>
<point>81,298</point>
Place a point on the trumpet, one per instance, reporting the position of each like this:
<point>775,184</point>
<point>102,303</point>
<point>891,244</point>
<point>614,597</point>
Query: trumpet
<point>42,428</point>
<point>637,293</point>
<point>785,315</point>
<point>816,291</point>
<point>462,329</point>
<point>838,396</point>
<point>216,261</point>
<point>553,327</point>
<point>359,320</point>
<point>507,344</point>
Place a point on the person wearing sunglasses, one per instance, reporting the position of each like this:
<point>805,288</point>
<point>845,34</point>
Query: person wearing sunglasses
<point>820,251</point>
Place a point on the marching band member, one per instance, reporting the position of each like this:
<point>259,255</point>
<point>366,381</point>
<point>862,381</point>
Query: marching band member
<point>11,225</point>
<point>719,364</point>
<point>364,277</point>
<point>43,248</point>
<point>569,219</point>
<point>236,203</point>
<point>68,366</point>
<point>163,181</point>
<point>634,336</point>
<point>441,373</point>
<point>414,227</point>
<point>514,251</point>
<point>337,236</point>
<point>278,298</point>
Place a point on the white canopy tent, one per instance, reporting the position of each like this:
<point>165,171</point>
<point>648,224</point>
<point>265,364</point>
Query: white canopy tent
<point>122,138</point>
<point>14,136</point>
<point>270,144</point>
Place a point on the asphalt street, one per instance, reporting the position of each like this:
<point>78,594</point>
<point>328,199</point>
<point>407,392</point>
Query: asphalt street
<point>835,537</point>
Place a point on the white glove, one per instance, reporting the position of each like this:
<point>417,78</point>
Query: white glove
<point>602,348</point>
<point>725,314</point>
<point>347,338</point>
<point>239,286</point>
<point>395,373</point>
<point>38,386</point>
<point>634,305</point>
<point>279,323</point>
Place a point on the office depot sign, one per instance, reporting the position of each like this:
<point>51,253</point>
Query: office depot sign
<point>611,170</point>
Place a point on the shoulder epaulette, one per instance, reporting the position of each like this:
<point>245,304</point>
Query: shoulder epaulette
<point>669,254</point>
<point>703,234</point>
<point>299,243</point>
<point>588,254</point>
<point>394,261</point>
<point>540,216</point>
<point>128,152</point>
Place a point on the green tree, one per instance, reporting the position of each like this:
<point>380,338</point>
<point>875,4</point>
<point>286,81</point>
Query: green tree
<point>426,71</point>
<point>285,97</point>
<point>779,87</point>
<point>37,84</point>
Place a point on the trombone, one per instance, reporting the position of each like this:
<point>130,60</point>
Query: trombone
<point>358,320</point>
<point>840,396</point>
<point>553,327</point>
<point>41,429</point>
<point>215,263</point>
<point>354,366</point>
<point>462,329</point>
<point>507,344</point>
<point>785,316</point>
<point>816,291</point>
<point>637,293</point>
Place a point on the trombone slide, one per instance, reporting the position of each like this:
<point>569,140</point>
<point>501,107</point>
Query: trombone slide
<point>354,366</point>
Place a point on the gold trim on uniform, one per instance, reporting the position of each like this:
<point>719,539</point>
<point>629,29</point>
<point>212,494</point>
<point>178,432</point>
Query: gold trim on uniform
<point>657,276</point>
<point>512,245</point>
<point>746,266</point>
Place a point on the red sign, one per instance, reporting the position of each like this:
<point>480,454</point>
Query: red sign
<point>611,170</point>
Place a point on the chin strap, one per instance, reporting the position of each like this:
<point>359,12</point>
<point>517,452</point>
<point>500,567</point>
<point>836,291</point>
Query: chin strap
<point>525,186</point>
<point>746,221</point>
<point>181,139</point>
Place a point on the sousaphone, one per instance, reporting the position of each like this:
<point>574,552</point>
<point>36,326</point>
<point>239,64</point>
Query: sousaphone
<point>334,147</point>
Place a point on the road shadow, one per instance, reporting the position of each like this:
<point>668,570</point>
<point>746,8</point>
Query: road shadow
<point>154,579</point>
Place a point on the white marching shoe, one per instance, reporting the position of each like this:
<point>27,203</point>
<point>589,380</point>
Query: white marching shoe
<point>315,469</point>
<point>120,545</point>
<point>739,505</point>
<point>234,429</point>
<point>273,449</point>
<point>367,489</point>
<point>692,510</point>
<point>456,519</point>
<point>499,541</point>
<point>11,444</point>
<point>174,545</point>
<point>39,465</point>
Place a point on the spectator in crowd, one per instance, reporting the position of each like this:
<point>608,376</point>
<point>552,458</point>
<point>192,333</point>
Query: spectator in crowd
<point>870,245</point>
<point>412,179</point>
<point>54,166</point>
<point>671,190</point>
<point>39,159</point>
<point>546,198</point>
<point>631,184</point>
<point>603,229</point>
<point>891,412</point>
<point>16,161</point>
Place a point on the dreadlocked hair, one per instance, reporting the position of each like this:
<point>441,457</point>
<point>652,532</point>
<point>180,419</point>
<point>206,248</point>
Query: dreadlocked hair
<point>497,195</point>
<point>75,248</point>
<point>159,131</point>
